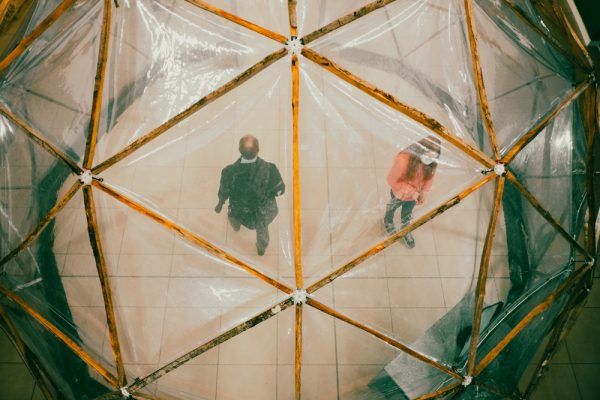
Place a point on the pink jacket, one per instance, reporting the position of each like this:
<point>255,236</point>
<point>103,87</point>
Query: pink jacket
<point>403,189</point>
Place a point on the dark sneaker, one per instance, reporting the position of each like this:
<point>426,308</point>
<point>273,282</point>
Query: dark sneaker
<point>409,240</point>
<point>235,225</point>
<point>389,228</point>
<point>261,252</point>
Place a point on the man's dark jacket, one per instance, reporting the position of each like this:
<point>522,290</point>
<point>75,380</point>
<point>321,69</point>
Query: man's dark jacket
<point>251,189</point>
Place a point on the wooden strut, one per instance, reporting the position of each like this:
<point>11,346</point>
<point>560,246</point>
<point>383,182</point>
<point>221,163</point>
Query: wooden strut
<point>92,138</point>
<point>396,104</point>
<point>244,326</point>
<point>443,391</point>
<point>563,326</point>
<point>242,22</point>
<point>546,214</point>
<point>37,32</point>
<point>579,47</point>
<point>96,244</point>
<point>400,234</point>
<point>39,138</point>
<point>209,98</point>
<point>26,355</point>
<point>345,20</point>
<point>537,310</point>
<point>190,236</point>
<point>591,125</point>
<point>298,352</point>
<point>296,172</point>
<point>392,342</point>
<point>544,121</point>
<point>532,25</point>
<point>43,223</point>
<point>483,274</point>
<point>293,17</point>
<point>478,74</point>
<point>80,352</point>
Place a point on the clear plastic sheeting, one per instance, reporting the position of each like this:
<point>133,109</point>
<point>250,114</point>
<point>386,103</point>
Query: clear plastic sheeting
<point>280,199</point>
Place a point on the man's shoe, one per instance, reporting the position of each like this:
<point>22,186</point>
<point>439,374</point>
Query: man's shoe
<point>409,240</point>
<point>261,252</point>
<point>235,225</point>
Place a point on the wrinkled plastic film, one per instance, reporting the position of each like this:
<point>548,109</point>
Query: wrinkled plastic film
<point>182,273</point>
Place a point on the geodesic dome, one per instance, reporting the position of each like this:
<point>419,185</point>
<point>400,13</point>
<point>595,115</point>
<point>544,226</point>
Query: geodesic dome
<point>119,279</point>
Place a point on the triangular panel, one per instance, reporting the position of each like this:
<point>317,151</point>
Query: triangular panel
<point>178,54</point>
<point>430,72</point>
<point>348,145</point>
<point>169,294</point>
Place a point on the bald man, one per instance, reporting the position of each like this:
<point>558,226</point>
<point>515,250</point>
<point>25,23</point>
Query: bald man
<point>251,185</point>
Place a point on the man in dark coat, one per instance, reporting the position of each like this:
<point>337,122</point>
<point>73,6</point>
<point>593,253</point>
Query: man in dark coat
<point>251,185</point>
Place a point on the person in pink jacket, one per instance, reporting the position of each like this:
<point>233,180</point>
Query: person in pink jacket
<point>410,178</point>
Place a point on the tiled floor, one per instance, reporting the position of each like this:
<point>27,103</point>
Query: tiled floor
<point>171,296</point>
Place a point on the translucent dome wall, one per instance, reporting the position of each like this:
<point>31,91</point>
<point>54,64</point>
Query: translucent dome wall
<point>121,279</point>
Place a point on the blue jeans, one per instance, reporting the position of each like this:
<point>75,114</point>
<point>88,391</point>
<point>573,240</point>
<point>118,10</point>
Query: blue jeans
<point>406,207</point>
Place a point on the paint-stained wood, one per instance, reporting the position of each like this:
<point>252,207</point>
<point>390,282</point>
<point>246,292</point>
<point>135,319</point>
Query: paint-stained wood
<point>478,74</point>
<point>96,244</point>
<point>92,137</point>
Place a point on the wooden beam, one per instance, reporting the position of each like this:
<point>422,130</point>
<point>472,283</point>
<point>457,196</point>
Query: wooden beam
<point>40,139</point>
<point>233,332</point>
<point>242,22</point>
<point>92,137</point>
<point>392,342</point>
<point>396,104</point>
<point>80,352</point>
<point>37,32</point>
<point>190,236</point>
<point>400,234</point>
<point>537,310</point>
<point>478,75</point>
<point>42,224</point>
<point>296,173</point>
<point>96,244</point>
<point>483,273</point>
<point>298,352</point>
<point>345,20</point>
<point>204,101</point>
<point>292,13</point>
<point>543,122</point>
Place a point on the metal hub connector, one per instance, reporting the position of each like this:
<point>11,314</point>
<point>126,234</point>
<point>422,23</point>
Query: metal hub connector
<point>86,177</point>
<point>467,381</point>
<point>125,393</point>
<point>499,169</point>
<point>299,296</point>
<point>294,45</point>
